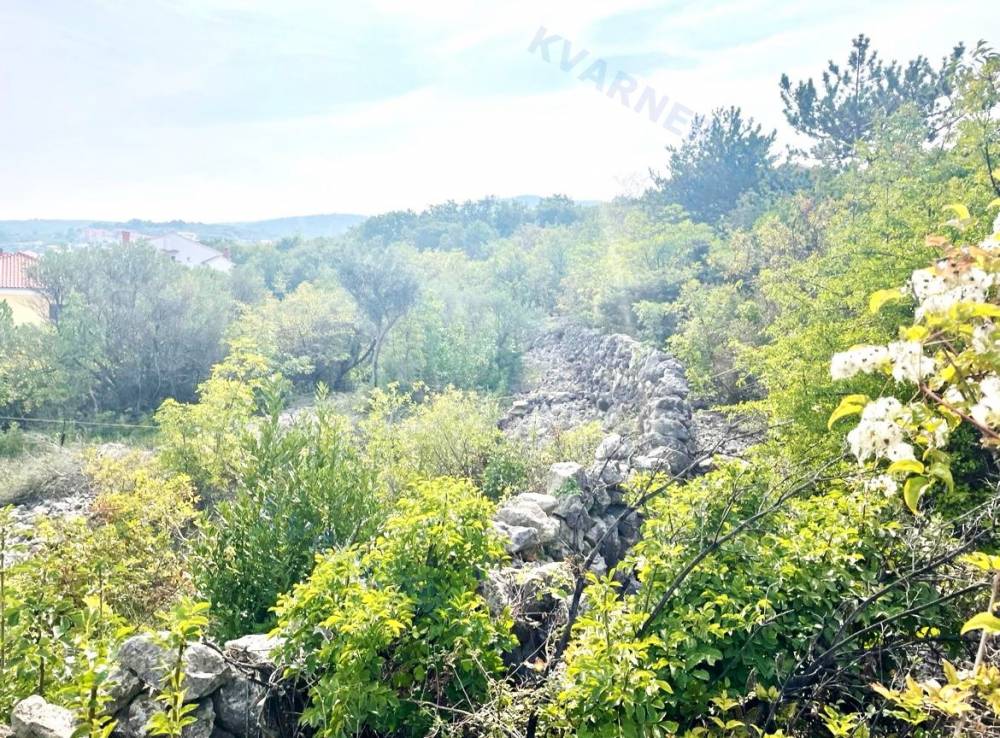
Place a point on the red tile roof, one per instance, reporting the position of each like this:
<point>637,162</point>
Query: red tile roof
<point>14,271</point>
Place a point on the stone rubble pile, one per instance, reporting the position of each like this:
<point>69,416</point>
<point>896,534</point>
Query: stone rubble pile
<point>228,689</point>
<point>577,375</point>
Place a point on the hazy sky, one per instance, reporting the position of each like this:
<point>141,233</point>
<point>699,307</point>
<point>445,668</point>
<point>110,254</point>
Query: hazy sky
<point>246,109</point>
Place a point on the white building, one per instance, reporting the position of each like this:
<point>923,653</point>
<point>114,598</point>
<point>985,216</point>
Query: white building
<point>190,252</point>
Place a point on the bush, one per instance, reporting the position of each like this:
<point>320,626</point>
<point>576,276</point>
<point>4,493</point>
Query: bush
<point>84,579</point>
<point>453,433</point>
<point>203,440</point>
<point>748,615</point>
<point>12,442</point>
<point>302,488</point>
<point>393,638</point>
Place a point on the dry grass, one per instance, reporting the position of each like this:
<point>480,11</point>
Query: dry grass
<point>46,472</point>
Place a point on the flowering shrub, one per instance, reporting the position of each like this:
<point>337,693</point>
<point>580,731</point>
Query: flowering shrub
<point>950,354</point>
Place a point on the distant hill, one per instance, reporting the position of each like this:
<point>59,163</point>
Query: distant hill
<point>41,232</point>
<point>13,232</point>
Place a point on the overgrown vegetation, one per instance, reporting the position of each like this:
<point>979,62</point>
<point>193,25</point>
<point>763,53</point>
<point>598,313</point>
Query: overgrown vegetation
<point>824,584</point>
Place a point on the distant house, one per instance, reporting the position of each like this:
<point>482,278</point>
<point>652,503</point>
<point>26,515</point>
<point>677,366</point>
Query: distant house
<point>19,290</point>
<point>186,250</point>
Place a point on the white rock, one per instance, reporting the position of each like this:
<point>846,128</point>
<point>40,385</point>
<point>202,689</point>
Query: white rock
<point>204,669</point>
<point>527,514</point>
<point>565,476</point>
<point>548,503</point>
<point>253,649</point>
<point>612,447</point>
<point>33,717</point>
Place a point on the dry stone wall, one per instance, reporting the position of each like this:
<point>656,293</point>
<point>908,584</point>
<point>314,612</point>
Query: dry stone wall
<point>577,375</point>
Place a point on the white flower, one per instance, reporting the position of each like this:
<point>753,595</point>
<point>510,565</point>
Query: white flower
<point>990,385</point>
<point>927,282</point>
<point>900,451</point>
<point>983,341</point>
<point>996,224</point>
<point>953,396</point>
<point>879,434</point>
<point>882,483</point>
<point>938,288</point>
<point>908,361</point>
<point>987,410</point>
<point>866,359</point>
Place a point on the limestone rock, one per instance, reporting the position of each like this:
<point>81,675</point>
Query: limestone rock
<point>204,669</point>
<point>546,502</point>
<point>612,447</point>
<point>527,514</point>
<point>238,706</point>
<point>255,649</point>
<point>519,538</point>
<point>124,685</point>
<point>33,717</point>
<point>565,477</point>
<point>527,590</point>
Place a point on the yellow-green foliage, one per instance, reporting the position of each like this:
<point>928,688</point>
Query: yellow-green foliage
<point>141,519</point>
<point>451,433</point>
<point>745,615</point>
<point>393,637</point>
<point>65,603</point>
<point>202,439</point>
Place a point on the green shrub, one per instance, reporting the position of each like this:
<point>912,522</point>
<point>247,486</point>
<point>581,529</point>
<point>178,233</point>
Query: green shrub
<point>741,621</point>
<point>12,441</point>
<point>452,433</point>
<point>202,440</point>
<point>65,606</point>
<point>393,638</point>
<point>301,488</point>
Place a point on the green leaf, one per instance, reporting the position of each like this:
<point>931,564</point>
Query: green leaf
<point>984,310</point>
<point>850,405</point>
<point>906,466</point>
<point>983,621</point>
<point>883,297</point>
<point>942,472</point>
<point>958,209</point>
<point>911,492</point>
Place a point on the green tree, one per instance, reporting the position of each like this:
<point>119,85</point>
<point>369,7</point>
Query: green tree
<point>314,334</point>
<point>133,326</point>
<point>858,95</point>
<point>722,157</point>
<point>383,286</point>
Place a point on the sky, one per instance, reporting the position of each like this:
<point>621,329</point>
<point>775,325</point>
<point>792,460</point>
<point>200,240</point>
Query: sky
<point>227,110</point>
